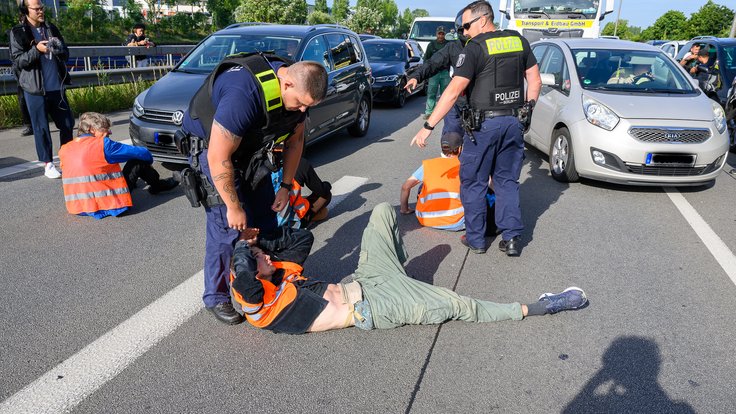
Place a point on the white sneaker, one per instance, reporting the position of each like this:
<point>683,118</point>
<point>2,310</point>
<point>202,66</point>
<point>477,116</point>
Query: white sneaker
<point>51,171</point>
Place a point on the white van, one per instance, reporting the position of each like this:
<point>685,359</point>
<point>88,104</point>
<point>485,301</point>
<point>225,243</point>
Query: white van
<point>424,29</point>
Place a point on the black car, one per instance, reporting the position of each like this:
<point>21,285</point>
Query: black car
<point>158,111</point>
<point>723,50</point>
<point>392,60</point>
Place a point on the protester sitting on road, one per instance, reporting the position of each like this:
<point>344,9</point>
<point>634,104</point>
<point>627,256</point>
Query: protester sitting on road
<point>94,184</point>
<point>274,295</point>
<point>438,201</point>
<point>301,211</point>
<point>139,38</point>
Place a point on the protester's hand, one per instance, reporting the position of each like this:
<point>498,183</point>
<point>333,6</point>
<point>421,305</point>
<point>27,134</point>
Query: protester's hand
<point>420,138</point>
<point>694,69</point>
<point>411,85</point>
<point>236,218</point>
<point>250,235</point>
<point>41,46</point>
<point>282,199</point>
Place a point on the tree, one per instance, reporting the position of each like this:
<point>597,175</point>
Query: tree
<point>420,13</point>
<point>321,6</point>
<point>390,19</point>
<point>623,32</point>
<point>365,20</point>
<point>317,17</point>
<point>267,11</point>
<point>222,12</point>
<point>671,25</point>
<point>340,10</point>
<point>405,21</point>
<point>711,20</point>
<point>295,12</point>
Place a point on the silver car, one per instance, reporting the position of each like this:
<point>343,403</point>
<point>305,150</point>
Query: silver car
<point>624,112</point>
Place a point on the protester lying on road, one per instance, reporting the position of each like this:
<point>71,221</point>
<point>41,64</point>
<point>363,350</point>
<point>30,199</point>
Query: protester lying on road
<point>274,295</point>
<point>94,184</point>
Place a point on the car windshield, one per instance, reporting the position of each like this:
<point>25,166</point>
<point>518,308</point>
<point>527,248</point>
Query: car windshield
<point>631,71</point>
<point>427,30</point>
<point>209,53</point>
<point>382,52</point>
<point>585,7</point>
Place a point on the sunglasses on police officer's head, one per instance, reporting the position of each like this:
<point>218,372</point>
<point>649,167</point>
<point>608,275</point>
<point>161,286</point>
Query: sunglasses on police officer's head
<point>466,26</point>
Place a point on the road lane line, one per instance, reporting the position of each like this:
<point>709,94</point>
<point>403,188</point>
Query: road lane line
<point>78,377</point>
<point>717,247</point>
<point>70,382</point>
<point>33,165</point>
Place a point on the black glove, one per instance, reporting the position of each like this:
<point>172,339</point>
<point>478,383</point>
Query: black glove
<point>525,114</point>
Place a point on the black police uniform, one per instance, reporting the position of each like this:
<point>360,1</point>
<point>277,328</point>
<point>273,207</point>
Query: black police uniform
<point>495,63</point>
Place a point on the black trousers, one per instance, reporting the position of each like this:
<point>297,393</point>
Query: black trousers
<point>135,169</point>
<point>24,115</point>
<point>307,177</point>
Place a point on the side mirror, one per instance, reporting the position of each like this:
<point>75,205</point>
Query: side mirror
<point>548,79</point>
<point>414,59</point>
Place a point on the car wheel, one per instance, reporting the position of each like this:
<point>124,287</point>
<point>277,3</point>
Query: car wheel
<point>561,158</point>
<point>401,95</point>
<point>360,127</point>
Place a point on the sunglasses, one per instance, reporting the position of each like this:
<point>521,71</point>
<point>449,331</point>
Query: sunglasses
<point>37,9</point>
<point>466,26</point>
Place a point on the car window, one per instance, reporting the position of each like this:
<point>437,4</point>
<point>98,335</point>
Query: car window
<point>728,63</point>
<point>539,51</point>
<point>343,53</point>
<point>209,53</point>
<point>416,49</point>
<point>317,51</point>
<point>554,63</point>
<point>629,70</point>
<point>355,44</point>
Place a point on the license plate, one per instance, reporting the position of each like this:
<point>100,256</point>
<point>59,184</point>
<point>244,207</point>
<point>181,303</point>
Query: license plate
<point>670,160</point>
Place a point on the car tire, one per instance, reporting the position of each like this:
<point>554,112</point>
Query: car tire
<point>561,157</point>
<point>401,96</point>
<point>363,120</point>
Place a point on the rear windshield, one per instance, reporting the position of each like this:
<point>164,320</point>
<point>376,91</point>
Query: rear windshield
<point>209,53</point>
<point>625,70</point>
<point>382,52</point>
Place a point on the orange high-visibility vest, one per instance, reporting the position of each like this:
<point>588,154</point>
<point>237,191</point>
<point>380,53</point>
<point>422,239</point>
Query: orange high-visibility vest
<point>275,298</point>
<point>90,182</point>
<point>438,203</point>
<point>297,202</point>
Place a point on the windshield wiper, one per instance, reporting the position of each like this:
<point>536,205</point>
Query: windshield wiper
<point>184,70</point>
<point>576,13</point>
<point>660,90</point>
<point>539,12</point>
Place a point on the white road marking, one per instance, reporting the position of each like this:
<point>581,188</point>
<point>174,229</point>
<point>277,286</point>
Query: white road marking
<point>69,383</point>
<point>343,187</point>
<point>717,247</point>
<point>33,165</point>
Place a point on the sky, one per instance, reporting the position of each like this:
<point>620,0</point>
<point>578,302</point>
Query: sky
<point>640,13</point>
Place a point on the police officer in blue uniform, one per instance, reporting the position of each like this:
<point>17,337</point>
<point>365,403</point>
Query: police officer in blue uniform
<point>247,105</point>
<point>492,68</point>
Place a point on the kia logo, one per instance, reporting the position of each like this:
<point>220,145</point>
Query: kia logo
<point>671,136</point>
<point>177,117</point>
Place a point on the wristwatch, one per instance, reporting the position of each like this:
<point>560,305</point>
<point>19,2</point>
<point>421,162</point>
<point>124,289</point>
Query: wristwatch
<point>427,126</point>
<point>287,186</point>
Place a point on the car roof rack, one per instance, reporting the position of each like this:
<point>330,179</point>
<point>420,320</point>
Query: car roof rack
<point>327,25</point>
<point>703,37</point>
<point>244,24</point>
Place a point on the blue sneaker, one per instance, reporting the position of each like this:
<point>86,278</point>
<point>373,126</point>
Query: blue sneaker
<point>571,298</point>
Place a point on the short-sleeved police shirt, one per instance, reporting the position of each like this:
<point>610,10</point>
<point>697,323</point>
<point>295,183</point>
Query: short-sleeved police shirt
<point>472,60</point>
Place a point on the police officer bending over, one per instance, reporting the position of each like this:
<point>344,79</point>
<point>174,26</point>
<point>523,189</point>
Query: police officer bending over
<point>492,67</point>
<point>248,104</point>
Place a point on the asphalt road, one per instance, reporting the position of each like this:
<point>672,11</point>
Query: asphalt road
<point>657,335</point>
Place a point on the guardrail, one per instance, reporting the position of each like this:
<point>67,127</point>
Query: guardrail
<point>100,62</point>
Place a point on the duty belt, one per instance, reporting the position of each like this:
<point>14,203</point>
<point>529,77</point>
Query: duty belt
<point>500,112</point>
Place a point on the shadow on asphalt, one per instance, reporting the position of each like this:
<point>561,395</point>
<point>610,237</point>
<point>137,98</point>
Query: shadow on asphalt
<point>424,266</point>
<point>538,193</point>
<point>627,382</point>
<point>143,201</point>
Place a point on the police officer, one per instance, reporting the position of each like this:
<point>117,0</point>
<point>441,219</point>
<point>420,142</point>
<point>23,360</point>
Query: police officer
<point>492,67</point>
<point>246,105</point>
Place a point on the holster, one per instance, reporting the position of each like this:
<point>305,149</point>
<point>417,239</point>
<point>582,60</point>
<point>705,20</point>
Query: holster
<point>197,188</point>
<point>472,120</point>
<point>525,115</point>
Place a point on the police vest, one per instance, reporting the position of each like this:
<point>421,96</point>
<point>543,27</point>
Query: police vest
<point>275,298</point>
<point>279,123</point>
<point>90,182</point>
<point>438,203</point>
<point>500,83</point>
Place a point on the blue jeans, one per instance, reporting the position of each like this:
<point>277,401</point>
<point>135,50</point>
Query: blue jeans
<point>499,152</point>
<point>40,107</point>
<point>221,239</point>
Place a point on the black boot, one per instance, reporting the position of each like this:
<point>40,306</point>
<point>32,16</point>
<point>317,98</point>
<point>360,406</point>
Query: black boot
<point>163,185</point>
<point>26,131</point>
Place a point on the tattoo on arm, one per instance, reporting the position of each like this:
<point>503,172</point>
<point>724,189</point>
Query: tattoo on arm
<point>227,134</point>
<point>228,185</point>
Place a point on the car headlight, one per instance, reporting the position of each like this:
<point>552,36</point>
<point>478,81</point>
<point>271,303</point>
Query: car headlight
<point>598,114</point>
<point>719,116</point>
<point>389,78</point>
<point>138,110</point>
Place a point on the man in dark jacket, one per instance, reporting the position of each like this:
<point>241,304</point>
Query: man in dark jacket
<point>438,81</point>
<point>39,54</point>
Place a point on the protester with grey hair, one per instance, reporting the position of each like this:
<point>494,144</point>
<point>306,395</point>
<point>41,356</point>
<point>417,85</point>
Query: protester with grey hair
<point>94,184</point>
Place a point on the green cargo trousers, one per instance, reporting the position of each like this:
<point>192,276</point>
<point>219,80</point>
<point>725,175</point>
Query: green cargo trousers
<point>435,86</point>
<point>395,299</point>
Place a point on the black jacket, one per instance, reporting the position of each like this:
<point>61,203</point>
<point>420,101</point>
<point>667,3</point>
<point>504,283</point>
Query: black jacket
<point>27,59</point>
<point>441,60</point>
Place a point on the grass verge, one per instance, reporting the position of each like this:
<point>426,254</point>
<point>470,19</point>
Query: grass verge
<point>99,98</point>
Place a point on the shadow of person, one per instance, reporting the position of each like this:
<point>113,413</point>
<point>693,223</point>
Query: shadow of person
<point>627,382</point>
<point>143,200</point>
<point>424,266</point>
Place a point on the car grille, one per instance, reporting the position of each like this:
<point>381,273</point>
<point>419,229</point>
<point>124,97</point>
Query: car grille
<point>670,135</point>
<point>157,115</point>
<point>163,149</point>
<point>674,171</point>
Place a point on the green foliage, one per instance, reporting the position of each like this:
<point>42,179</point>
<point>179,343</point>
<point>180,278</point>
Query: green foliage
<point>295,12</point>
<point>321,6</point>
<point>623,32</point>
<point>420,13</point>
<point>671,25</point>
<point>711,20</point>
<point>365,20</point>
<point>405,21</point>
<point>317,17</point>
<point>340,10</point>
<point>389,19</point>
<point>223,12</point>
